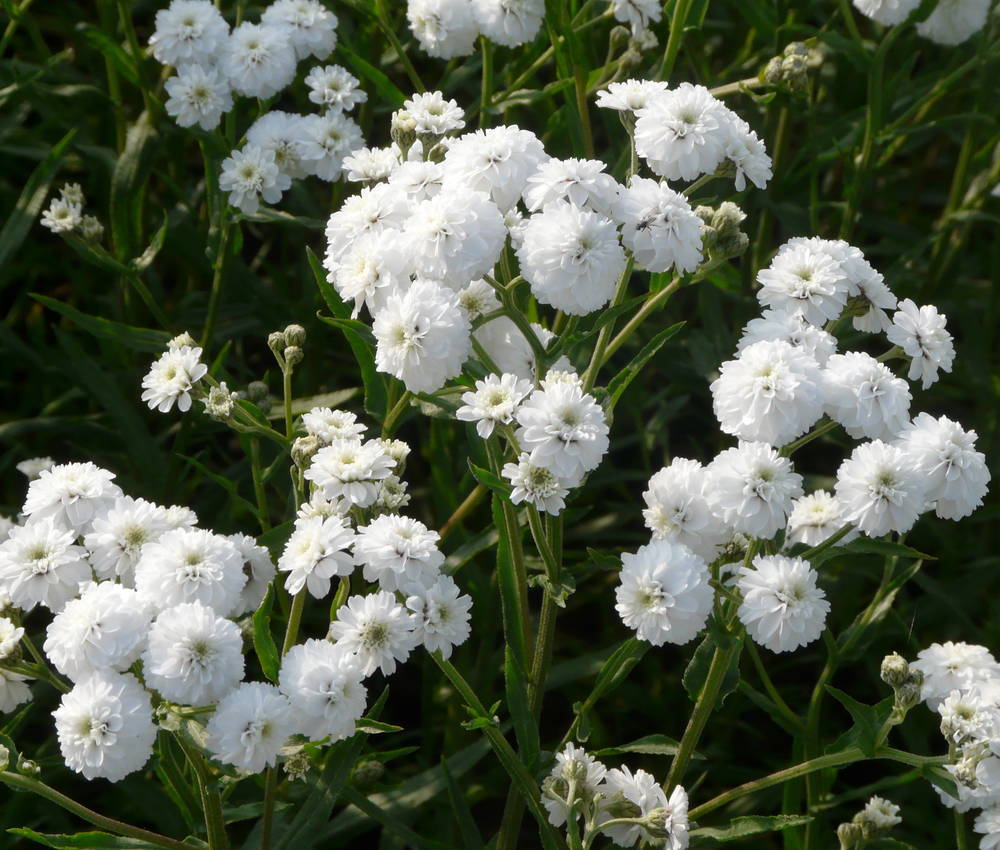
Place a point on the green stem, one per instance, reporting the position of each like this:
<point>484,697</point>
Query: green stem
<point>211,800</point>
<point>218,273</point>
<point>390,34</point>
<point>790,716</point>
<point>848,16</point>
<point>270,796</point>
<point>286,397</point>
<point>258,484</point>
<point>653,303</point>
<point>294,620</point>
<point>818,431</point>
<point>463,510</point>
<point>674,40</point>
<point>961,840</point>
<point>749,84</point>
<point>597,359</point>
<point>398,409</point>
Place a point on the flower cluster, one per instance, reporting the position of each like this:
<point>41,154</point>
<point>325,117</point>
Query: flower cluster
<point>64,215</point>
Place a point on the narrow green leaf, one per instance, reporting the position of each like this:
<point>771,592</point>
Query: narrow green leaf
<point>263,639</point>
<point>388,91</point>
<point>868,721</point>
<point>127,182</point>
<point>525,730</point>
<point>653,745</point>
<point>488,479</point>
<point>619,383</point>
<point>83,841</point>
<point>112,51</point>
<point>139,339</point>
<point>472,839</point>
<point>748,825</point>
<point>225,483</point>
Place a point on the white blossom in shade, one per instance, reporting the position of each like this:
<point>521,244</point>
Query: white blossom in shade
<point>440,614</point>
<point>250,726</point>
<point>638,14</point>
<point>71,494</point>
<point>494,402</point>
<point>664,593</point>
<point>375,267</point>
<point>537,485</point>
<point>198,95</point>
<point>319,505</point>
<point>104,629</point>
<point>631,95</point>
<point>659,226</point>
<point>334,87</point>
<point>967,716</point>
<point>669,816</point>
<point>864,283</point>
<point>954,21</point>
<point>816,517</point>
<point>886,12</point>
<point>922,334</point>
<point>793,329</point>
<point>397,549</point>
<point>14,690</point>
<point>191,565</point>
<point>751,488</point>
<point>573,764</point>
<point>952,666</point>
<point>259,570</point>
<point>880,813</point>
<point>945,453</point>
<point>421,181</point>
<point>434,115</point>
<point>350,469</point>
<point>803,279</point>
<point>374,209</point>
<point>10,636</point>
<point>61,216</point>
<point>179,516</point>
<point>772,392</point>
<point>194,656</point>
<point>564,429</point>
<point>509,22</point>
<point>445,29</point>
<point>880,489</point>
<point>572,258</point>
<point>377,629</point>
<point>40,564</point>
<point>172,377</point>
<point>509,348</point>
<point>987,824</point>
<point>258,59</point>
<point>105,726</point>
<point>582,182</point>
<point>422,337</point>
<point>34,466</point>
<point>249,175</point>
<point>117,537</point>
<point>748,155</point>
<point>312,28</point>
<point>865,396</point>
<point>782,608</point>
<point>497,161</point>
<point>370,165</point>
<point>328,425</point>
<point>325,141</point>
<point>455,237</point>
<point>317,551</point>
<point>279,133</point>
<point>683,132</point>
<point>677,508</point>
<point>325,688</point>
<point>188,32</point>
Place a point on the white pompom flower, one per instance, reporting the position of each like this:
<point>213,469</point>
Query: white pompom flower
<point>312,28</point>
<point>494,402</point>
<point>793,329</point>
<point>281,134</point>
<point>922,334</point>
<point>334,87</point>
<point>198,95</point>
<point>375,267</point>
<point>954,21</point>
<point>886,12</point>
<point>40,564</point>
<point>188,32</point>
<point>117,537</point>
<point>816,517</point>
<point>677,509</point>
<point>497,161</point>
<point>377,629</point>
<point>952,666</point>
<point>803,279</point>
<point>259,570</point>
<point>373,210</point>
<point>661,821</point>
<point>582,182</point>
<point>445,29</point>
<point>748,155</point>
<point>509,22</point>
<point>782,607</point>
<point>72,495</point>
<point>62,216</point>
<point>315,553</point>
<point>14,690</point>
<point>537,485</point>
<point>172,377</point>
<point>659,226</point>
<point>326,141</point>
<point>251,174</point>
<point>574,764</point>
<point>325,688</point>
<point>327,425</point>
<point>638,14</point>
<point>433,114</point>
<point>865,397</point>
<point>10,636</point>
<point>250,726</point>
<point>440,613</point>
<point>350,469</point>
<point>395,550</point>
<point>630,95</point>
<point>881,489</point>
<point>258,59</point>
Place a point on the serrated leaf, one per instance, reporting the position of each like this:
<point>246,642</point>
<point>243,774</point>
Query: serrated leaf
<point>744,827</point>
<point>263,639</point>
<point>868,722</point>
<point>650,745</point>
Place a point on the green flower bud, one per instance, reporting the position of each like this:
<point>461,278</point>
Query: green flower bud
<point>295,335</point>
<point>895,670</point>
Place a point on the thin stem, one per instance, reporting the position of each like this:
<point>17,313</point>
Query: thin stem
<point>790,716</point>
<point>848,16</point>
<point>286,396</point>
<point>674,40</point>
<point>463,510</point>
<point>258,484</point>
<point>651,304</point>
<point>218,274</point>
<point>739,86</point>
<point>211,800</point>
<point>597,359</point>
<point>398,409</point>
<point>818,431</point>
<point>390,34</point>
<point>294,619</point>
<point>961,840</point>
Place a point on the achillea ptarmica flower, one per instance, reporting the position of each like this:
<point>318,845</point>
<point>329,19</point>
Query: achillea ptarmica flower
<point>440,614</point>
<point>803,279</point>
<point>659,226</point>
<point>315,553</point>
<point>258,59</point>
<point>582,182</point>
<point>172,377</point>
<point>117,537</point>
<point>395,550</point>
<point>377,629</point>
<point>62,216</point>
<point>40,564</point>
<point>445,29</point>
<point>14,691</point>
<point>573,764</point>
<point>782,607</point>
<point>251,174</point>
<point>509,22</point>
<point>631,95</point>
<point>71,495</point>
<point>815,517</point>
<point>665,821</point>
<point>886,12</point>
<point>34,466</point>
<point>311,27</point>
<point>951,666</point>
<point>879,815</point>
<point>350,469</point>
<point>880,489</point>
<point>10,636</point>
<point>334,87</point>
<point>433,115</point>
<point>494,402</point>
<point>188,32</point>
<point>864,396</point>
<point>371,165</point>
<point>677,508</point>
<point>372,210</point>
<point>664,593</point>
<point>793,329</point>
<point>638,14</point>
<point>257,567</point>
<point>954,21</point>
<point>198,95</point>
<point>280,133</point>
<point>748,155</point>
<point>328,424</point>
<point>326,141</point>
<point>537,485</point>
<point>105,726</point>
<point>987,824</point>
<point>921,333</point>
<point>325,688</point>
<point>497,161</point>
<point>250,725</point>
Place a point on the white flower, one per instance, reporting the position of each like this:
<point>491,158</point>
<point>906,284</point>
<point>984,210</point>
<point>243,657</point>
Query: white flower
<point>749,155</point>
<point>40,564</point>
<point>376,266</point>
<point>631,95</point>
<point>105,726</point>
<point>573,764</point>
<point>198,95</point>
<point>455,237</point>
<point>793,329</point>
<point>571,257</point>
<point>71,495</point>
<point>34,466</point>
<point>954,21</point>
<point>328,425</point>
<point>956,474</point>
<point>582,182</point>
<point>250,726</point>
<point>642,790</point>
<point>804,279</point>
<point>864,396</point>
<point>10,635</point>
<point>564,429</point>
<point>62,216</point>
<point>880,813</point>
<point>324,686</point>
<point>395,550</point>
<point>104,630</point>
<point>966,716</point>
<point>325,141</point>
<point>350,469</point>
<point>886,12</point>
<point>188,32</point>
<point>677,508</point>
<point>369,165</point>
<point>494,402</point>
<point>951,666</point>
<point>772,392</point>
<point>422,337</point>
<point>814,518</point>
<point>441,614</point>
<point>987,824</point>
<point>191,565</point>
<point>751,487</point>
<point>445,29</point>
<point>537,485</point>
<point>433,114</point>
<point>663,593</point>
<point>312,28</point>
<point>280,133</point>
<point>638,14</point>
<point>421,181</point>
<point>880,489</point>
<point>315,553</point>
<point>782,608</point>
<point>374,209</point>
<point>335,87</point>
<point>659,226</point>
<point>13,690</point>
<point>509,22</point>
<point>497,161</point>
<point>921,333</point>
<point>179,516</point>
<point>194,657</point>
<point>118,536</point>
<point>258,59</point>
<point>377,629</point>
<point>259,570</point>
<point>683,133</point>
<point>172,377</point>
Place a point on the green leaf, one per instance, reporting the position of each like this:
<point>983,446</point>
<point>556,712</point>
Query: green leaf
<point>112,51</point>
<point>696,672</point>
<point>886,548</point>
<point>127,182</point>
<point>612,673</point>
<point>139,339</point>
<point>29,204</point>
<point>145,259</point>
<point>525,730</point>
<point>83,841</point>
<point>868,722</point>
<point>388,91</point>
<point>227,484</point>
<point>744,827</point>
<point>488,479</point>
<point>390,822</point>
<point>472,839</point>
<point>651,745</point>
<point>510,597</point>
<point>370,726</point>
<point>619,383</point>
<point>263,639</point>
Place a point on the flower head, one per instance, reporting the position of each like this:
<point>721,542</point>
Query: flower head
<point>250,725</point>
<point>677,508</point>
<point>377,629</point>
<point>188,32</point>
<point>440,613</point>
<point>249,175</point>
<point>396,550</point>
<point>72,495</point>
<point>350,469</point>
<point>198,95</point>
<point>324,686</point>
<point>921,333</point>
<point>172,377</point>
<point>311,26</point>
<point>40,564</point>
<point>864,396</point>
<point>782,608</point>
<point>259,59</point>
<point>880,489</point>
<point>494,402</point>
<point>317,551</point>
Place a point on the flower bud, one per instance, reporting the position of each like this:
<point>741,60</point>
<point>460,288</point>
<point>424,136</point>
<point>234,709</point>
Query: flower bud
<point>368,772</point>
<point>849,834</point>
<point>4,757</point>
<point>294,355</point>
<point>907,696</point>
<point>295,335</point>
<point>27,766</point>
<point>91,228</point>
<point>297,765</point>
<point>181,340</point>
<point>403,130</point>
<point>895,670</point>
<point>276,342</point>
<point>72,193</point>
<point>257,391</point>
<point>303,450</point>
<point>219,402</point>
